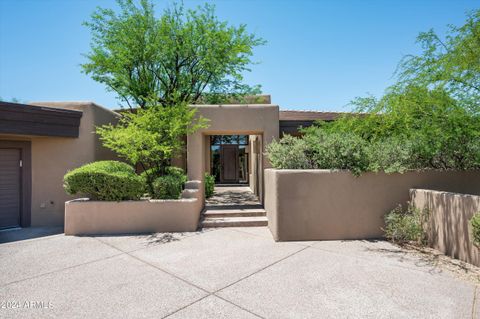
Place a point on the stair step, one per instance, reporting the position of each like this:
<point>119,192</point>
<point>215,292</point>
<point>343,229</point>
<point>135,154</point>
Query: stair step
<point>235,221</point>
<point>234,212</point>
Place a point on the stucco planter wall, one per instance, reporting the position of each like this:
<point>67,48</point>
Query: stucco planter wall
<point>87,217</point>
<point>448,228</point>
<point>335,205</point>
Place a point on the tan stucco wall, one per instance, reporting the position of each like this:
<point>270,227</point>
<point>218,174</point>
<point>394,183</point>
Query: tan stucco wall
<point>259,119</point>
<point>325,204</point>
<point>52,157</point>
<point>84,217</point>
<point>448,226</point>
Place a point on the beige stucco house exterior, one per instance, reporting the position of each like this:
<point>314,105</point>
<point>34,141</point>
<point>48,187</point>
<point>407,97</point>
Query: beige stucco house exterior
<point>41,141</point>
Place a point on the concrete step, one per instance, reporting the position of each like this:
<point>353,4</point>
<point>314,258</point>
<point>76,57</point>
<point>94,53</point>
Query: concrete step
<point>252,221</point>
<point>234,212</point>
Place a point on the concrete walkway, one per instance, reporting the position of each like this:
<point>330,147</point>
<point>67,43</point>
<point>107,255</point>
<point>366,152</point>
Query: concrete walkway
<point>223,273</point>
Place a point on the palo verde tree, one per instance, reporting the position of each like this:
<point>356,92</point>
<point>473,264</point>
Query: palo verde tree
<point>157,67</point>
<point>182,56</point>
<point>430,118</point>
<point>451,64</point>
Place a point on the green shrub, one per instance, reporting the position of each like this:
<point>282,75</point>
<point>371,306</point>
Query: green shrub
<point>289,153</point>
<point>150,175</point>
<point>475,223</point>
<point>406,226</point>
<point>209,185</point>
<point>391,155</point>
<point>105,180</point>
<point>178,172</point>
<point>330,150</point>
<point>168,187</point>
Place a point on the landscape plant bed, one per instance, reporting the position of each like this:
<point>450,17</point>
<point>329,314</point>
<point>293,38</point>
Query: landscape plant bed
<point>91,217</point>
<point>437,261</point>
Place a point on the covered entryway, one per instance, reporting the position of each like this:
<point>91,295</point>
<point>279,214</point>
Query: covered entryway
<point>257,124</point>
<point>229,158</point>
<point>10,188</point>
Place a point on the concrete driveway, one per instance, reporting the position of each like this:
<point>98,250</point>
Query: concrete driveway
<point>223,273</point>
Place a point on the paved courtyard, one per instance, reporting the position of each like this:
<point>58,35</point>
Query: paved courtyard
<point>233,196</point>
<point>222,273</point>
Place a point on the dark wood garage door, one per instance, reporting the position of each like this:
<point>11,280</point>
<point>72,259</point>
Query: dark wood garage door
<point>10,187</point>
<point>229,158</point>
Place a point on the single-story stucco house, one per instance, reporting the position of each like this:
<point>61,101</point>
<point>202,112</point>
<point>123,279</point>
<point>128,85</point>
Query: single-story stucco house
<point>41,141</point>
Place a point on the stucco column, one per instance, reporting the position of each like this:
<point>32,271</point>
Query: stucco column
<point>195,156</point>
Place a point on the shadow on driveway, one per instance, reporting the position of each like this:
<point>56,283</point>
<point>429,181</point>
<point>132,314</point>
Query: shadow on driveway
<point>17,234</point>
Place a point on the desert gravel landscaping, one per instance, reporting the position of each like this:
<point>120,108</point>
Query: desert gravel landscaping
<point>226,273</point>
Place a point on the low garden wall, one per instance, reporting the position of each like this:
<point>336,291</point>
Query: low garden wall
<point>336,205</point>
<point>448,227</point>
<point>87,217</point>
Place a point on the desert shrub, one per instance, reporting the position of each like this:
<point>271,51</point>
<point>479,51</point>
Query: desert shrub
<point>475,223</point>
<point>289,153</point>
<point>391,155</point>
<point>209,185</point>
<point>408,225</point>
<point>105,180</point>
<point>167,187</point>
<point>331,150</point>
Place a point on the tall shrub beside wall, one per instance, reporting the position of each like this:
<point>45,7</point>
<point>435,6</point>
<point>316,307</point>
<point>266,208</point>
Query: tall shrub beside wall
<point>421,136</point>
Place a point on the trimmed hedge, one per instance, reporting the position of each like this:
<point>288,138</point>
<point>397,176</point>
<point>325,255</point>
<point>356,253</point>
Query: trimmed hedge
<point>209,185</point>
<point>168,187</point>
<point>105,180</point>
<point>152,174</point>
<point>177,172</point>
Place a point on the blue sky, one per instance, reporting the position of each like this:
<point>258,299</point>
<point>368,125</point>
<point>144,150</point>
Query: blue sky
<point>319,55</point>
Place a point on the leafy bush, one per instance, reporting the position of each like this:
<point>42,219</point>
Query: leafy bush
<point>391,155</point>
<point>406,226</point>
<point>209,185</point>
<point>289,153</point>
<point>105,180</point>
<point>475,223</point>
<point>150,175</point>
<point>324,148</point>
<point>168,187</point>
<point>151,137</point>
<point>178,172</point>
<point>330,150</point>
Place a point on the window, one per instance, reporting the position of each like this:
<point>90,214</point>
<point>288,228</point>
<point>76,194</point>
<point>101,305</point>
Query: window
<point>229,139</point>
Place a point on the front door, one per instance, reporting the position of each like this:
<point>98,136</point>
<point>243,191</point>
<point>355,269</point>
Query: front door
<point>10,187</point>
<point>229,162</point>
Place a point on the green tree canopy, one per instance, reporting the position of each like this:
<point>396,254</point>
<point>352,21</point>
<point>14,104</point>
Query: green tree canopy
<point>177,57</point>
<point>429,119</point>
<point>151,137</point>
<point>435,103</point>
<point>452,63</point>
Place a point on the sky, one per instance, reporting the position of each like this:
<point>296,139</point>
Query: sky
<point>319,56</point>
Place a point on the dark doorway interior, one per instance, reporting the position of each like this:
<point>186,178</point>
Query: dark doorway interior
<point>229,158</point>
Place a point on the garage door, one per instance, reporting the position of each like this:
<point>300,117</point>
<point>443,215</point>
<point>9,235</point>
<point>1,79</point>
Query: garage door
<point>10,187</point>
